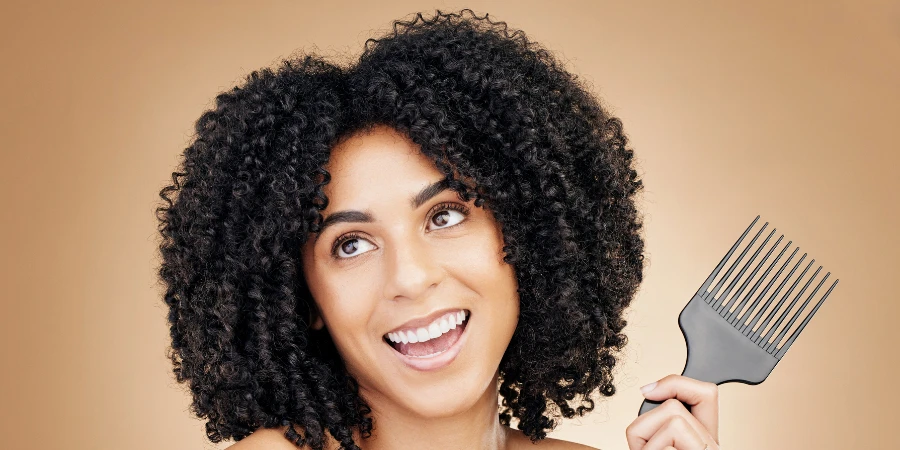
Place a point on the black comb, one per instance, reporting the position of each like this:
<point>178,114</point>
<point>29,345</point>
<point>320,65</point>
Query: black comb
<point>732,344</point>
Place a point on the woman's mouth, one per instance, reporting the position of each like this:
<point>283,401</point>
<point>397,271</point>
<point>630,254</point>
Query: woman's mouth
<point>432,346</point>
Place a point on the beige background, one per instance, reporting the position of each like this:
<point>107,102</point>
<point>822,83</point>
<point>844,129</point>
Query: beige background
<point>785,109</point>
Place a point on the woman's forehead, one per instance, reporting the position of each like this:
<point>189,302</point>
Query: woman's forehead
<point>379,164</point>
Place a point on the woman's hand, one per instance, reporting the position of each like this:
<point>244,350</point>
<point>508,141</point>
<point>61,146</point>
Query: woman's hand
<point>670,425</point>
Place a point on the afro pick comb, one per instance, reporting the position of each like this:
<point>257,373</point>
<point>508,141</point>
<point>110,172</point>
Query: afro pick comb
<point>732,344</point>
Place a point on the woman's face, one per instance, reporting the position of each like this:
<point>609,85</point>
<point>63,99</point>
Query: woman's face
<point>400,258</point>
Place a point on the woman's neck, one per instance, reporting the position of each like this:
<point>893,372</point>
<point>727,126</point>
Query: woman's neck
<point>478,427</point>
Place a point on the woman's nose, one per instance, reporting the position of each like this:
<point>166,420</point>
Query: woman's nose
<point>412,270</point>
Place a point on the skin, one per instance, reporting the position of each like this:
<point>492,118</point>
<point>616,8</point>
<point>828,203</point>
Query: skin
<point>670,425</point>
<point>407,262</point>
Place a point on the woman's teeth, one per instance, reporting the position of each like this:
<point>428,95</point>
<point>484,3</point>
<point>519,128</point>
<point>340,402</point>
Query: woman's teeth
<point>434,330</point>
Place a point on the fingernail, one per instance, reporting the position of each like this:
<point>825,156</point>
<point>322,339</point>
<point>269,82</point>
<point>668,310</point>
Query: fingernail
<point>646,389</point>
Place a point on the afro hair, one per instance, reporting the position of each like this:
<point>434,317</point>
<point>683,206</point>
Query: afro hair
<point>485,104</point>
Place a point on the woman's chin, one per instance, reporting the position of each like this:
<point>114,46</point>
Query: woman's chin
<point>441,402</point>
<point>441,397</point>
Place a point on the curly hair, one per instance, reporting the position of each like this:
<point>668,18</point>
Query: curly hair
<point>484,104</point>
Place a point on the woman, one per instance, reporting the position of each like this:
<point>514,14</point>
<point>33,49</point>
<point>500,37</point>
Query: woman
<point>370,257</point>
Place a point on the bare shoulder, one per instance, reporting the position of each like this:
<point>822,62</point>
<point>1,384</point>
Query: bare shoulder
<point>265,439</point>
<point>519,441</point>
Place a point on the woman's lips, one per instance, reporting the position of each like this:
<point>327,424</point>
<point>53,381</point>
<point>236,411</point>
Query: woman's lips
<point>432,354</point>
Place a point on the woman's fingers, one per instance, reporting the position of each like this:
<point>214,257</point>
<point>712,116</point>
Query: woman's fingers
<point>669,424</point>
<point>677,433</point>
<point>701,395</point>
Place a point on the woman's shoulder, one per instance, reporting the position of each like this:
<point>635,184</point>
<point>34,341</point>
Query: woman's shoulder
<point>264,439</point>
<point>557,444</point>
<point>267,439</point>
<point>518,440</point>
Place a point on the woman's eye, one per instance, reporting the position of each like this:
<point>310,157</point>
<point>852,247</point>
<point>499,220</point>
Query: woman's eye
<point>447,218</point>
<point>352,246</point>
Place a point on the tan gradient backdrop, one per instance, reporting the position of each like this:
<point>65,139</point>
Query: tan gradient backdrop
<point>785,109</point>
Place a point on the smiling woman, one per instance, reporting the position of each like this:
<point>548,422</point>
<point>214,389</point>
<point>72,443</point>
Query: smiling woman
<point>374,256</point>
<point>416,266</point>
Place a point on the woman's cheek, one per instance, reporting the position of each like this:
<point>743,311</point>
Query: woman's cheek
<point>485,254</point>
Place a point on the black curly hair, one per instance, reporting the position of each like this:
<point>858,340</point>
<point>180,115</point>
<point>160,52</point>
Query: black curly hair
<point>484,104</point>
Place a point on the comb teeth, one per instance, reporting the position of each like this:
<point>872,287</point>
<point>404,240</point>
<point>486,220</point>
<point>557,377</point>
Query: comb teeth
<point>739,317</point>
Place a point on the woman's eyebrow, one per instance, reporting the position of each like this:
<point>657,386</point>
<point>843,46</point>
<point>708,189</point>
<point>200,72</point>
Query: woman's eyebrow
<point>428,192</point>
<point>355,216</point>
